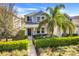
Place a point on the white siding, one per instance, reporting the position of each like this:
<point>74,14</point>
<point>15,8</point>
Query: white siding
<point>34,18</point>
<point>76,23</point>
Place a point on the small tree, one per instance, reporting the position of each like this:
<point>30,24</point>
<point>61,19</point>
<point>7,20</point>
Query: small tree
<point>6,25</point>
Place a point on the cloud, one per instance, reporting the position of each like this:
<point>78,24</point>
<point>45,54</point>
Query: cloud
<point>23,11</point>
<point>19,9</point>
<point>26,9</point>
<point>74,15</point>
<point>63,10</point>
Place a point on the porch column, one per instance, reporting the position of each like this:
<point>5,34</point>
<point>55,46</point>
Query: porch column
<point>26,32</point>
<point>34,31</point>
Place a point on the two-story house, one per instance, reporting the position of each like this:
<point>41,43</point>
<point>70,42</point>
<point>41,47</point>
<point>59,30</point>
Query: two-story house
<point>32,22</point>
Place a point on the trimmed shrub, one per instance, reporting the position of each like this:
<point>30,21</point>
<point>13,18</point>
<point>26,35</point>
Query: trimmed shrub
<point>20,35</point>
<point>39,36</point>
<point>13,45</point>
<point>54,42</point>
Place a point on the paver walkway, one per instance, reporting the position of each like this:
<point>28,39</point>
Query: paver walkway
<point>31,49</point>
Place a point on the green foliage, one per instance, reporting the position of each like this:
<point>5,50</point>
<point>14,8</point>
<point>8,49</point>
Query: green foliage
<point>20,34</point>
<point>6,27</point>
<point>56,18</point>
<point>39,36</point>
<point>54,42</point>
<point>13,45</point>
<point>59,51</point>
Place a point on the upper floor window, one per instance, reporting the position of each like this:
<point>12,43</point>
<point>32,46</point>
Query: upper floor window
<point>28,19</point>
<point>38,19</point>
<point>42,17</point>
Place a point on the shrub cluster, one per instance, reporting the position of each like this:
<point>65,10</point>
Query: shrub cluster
<point>39,36</point>
<point>13,45</point>
<point>20,35</point>
<point>54,42</point>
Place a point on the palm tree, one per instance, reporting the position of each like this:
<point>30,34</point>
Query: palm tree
<point>68,26</point>
<point>55,18</point>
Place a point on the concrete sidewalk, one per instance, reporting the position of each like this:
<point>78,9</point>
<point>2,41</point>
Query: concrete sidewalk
<point>31,49</point>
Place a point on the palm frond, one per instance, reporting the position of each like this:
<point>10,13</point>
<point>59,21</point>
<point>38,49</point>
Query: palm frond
<point>46,15</point>
<point>51,10</point>
<point>57,8</point>
<point>50,27</point>
<point>62,6</point>
<point>42,23</point>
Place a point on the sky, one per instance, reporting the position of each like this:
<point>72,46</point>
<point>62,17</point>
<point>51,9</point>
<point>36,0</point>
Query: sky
<point>72,9</point>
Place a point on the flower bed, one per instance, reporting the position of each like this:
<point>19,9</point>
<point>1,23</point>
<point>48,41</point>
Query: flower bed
<point>22,52</point>
<point>72,50</point>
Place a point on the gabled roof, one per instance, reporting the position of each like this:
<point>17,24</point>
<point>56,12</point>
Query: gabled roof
<point>75,17</point>
<point>66,15</point>
<point>34,13</point>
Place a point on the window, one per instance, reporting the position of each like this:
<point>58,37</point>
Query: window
<point>28,18</point>
<point>38,18</point>
<point>38,30</point>
<point>42,17</point>
<point>42,30</point>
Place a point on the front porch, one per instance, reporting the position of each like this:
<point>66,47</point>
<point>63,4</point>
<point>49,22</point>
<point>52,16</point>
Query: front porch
<point>35,31</point>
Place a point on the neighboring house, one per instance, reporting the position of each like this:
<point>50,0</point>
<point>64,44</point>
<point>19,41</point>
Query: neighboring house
<point>16,24</point>
<point>75,20</point>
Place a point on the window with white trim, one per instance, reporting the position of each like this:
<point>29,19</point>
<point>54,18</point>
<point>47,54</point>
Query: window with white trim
<point>38,30</point>
<point>43,30</point>
<point>38,19</point>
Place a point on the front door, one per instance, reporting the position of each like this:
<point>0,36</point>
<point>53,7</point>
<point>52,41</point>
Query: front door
<point>29,31</point>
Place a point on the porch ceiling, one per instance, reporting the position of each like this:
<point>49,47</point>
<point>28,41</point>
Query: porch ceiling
<point>32,25</point>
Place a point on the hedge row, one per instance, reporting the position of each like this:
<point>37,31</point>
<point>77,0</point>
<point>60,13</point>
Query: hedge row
<point>54,42</point>
<point>13,45</point>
